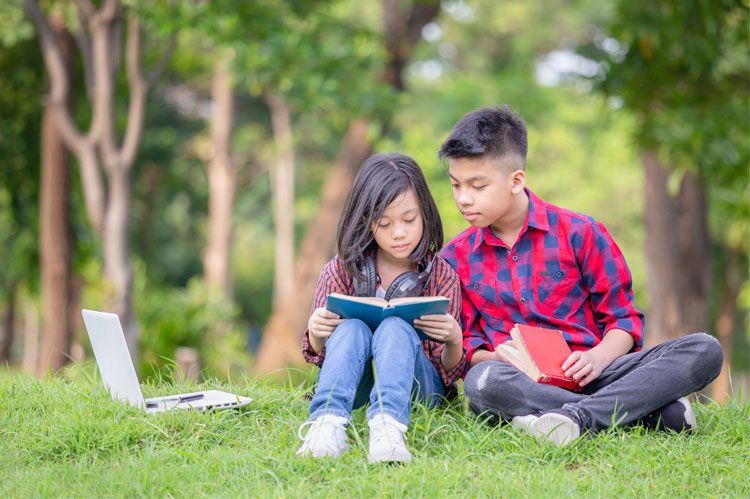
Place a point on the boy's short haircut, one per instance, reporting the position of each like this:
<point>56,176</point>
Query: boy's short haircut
<point>489,131</point>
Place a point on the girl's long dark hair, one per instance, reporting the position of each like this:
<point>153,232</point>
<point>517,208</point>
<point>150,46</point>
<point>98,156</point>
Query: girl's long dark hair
<point>380,180</point>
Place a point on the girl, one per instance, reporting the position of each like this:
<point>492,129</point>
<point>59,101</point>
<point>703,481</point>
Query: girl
<point>388,238</point>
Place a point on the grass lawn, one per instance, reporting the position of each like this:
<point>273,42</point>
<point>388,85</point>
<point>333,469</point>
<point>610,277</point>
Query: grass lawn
<point>65,437</point>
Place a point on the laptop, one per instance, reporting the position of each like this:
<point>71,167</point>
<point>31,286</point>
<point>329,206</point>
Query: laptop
<point>116,367</point>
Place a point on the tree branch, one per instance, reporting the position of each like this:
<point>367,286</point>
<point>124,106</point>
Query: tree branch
<point>138,90</point>
<point>421,13</point>
<point>115,44</point>
<point>84,45</point>
<point>58,76</point>
<point>108,11</point>
<point>53,60</point>
<point>86,9</point>
<point>402,32</point>
<point>102,129</point>
<point>82,146</point>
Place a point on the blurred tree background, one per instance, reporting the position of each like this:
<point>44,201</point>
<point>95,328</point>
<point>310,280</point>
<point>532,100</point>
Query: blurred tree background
<point>222,137</point>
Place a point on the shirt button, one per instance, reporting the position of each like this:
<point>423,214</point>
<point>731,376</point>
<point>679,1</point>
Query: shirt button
<point>475,286</point>
<point>523,300</point>
<point>559,273</point>
<point>515,258</point>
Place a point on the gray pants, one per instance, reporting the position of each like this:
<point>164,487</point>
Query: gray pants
<point>628,389</point>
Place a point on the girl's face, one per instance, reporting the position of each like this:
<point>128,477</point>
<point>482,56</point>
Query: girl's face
<point>399,230</point>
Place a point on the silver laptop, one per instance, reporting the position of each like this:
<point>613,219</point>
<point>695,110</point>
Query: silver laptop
<point>116,367</point>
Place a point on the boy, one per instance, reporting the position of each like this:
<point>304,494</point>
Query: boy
<point>526,261</point>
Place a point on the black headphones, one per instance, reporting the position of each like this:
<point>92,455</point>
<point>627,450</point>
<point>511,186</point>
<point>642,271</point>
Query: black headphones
<point>409,283</point>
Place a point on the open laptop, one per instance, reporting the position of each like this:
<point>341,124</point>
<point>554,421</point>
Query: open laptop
<point>116,367</point>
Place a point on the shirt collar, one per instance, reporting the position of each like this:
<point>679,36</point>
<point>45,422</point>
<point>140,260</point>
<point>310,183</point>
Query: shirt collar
<point>536,217</point>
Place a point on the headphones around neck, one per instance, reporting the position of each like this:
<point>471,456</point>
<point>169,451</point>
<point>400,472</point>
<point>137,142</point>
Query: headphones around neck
<point>409,283</point>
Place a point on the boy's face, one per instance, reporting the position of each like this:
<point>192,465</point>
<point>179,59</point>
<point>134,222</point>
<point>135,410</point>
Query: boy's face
<point>485,188</point>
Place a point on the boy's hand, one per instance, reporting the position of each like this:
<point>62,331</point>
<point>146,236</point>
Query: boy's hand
<point>442,327</point>
<point>322,322</point>
<point>584,366</point>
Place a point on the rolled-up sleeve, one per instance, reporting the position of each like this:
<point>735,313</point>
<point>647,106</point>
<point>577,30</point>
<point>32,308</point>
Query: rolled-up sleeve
<point>606,276</point>
<point>332,280</point>
<point>447,284</point>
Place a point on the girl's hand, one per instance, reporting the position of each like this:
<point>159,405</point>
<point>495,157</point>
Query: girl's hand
<point>584,366</point>
<point>442,327</point>
<point>322,322</point>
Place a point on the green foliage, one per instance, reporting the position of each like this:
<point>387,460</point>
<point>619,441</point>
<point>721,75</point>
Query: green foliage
<point>195,316</point>
<point>14,27</point>
<point>682,67</point>
<point>679,67</point>
<point>60,431</point>
<point>20,89</point>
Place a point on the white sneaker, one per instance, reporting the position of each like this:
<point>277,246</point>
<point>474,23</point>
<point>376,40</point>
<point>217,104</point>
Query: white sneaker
<point>325,438</point>
<point>557,428</point>
<point>387,440</point>
<point>523,422</point>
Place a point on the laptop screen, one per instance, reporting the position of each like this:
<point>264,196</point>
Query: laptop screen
<point>113,357</point>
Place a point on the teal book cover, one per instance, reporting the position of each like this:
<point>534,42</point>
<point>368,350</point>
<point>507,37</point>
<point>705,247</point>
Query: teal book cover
<point>372,311</point>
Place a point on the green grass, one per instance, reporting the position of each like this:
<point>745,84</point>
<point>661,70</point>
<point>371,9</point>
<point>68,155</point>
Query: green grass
<point>65,437</point>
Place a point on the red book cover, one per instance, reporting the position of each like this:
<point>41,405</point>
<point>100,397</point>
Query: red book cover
<point>544,350</point>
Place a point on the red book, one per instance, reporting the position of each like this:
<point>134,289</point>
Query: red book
<point>540,354</point>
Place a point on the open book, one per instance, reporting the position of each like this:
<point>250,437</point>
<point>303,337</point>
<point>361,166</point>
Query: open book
<point>540,354</point>
<point>372,311</point>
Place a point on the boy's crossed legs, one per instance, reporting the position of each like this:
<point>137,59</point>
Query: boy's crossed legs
<point>631,388</point>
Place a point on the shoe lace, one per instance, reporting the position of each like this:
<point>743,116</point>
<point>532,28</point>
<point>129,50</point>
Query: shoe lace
<point>327,430</point>
<point>303,425</point>
<point>389,433</point>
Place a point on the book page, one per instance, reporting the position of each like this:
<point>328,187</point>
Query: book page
<point>511,352</point>
<point>532,370</point>
<point>378,302</point>
<point>416,299</point>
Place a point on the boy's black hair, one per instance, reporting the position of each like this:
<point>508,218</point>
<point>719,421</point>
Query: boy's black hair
<point>491,131</point>
<point>380,180</point>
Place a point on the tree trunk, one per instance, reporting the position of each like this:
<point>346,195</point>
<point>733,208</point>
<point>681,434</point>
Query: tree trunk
<point>678,254</point>
<point>29,324</point>
<point>118,268</point>
<point>55,233</point>
<point>280,345</point>
<point>100,34</point>
<point>281,341</point>
<point>282,188</point>
<point>9,322</point>
<point>402,32</point>
<point>221,185</point>
<point>725,323</point>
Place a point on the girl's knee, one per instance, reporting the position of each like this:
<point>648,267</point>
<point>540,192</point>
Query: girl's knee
<point>353,326</point>
<point>351,330</point>
<point>396,329</point>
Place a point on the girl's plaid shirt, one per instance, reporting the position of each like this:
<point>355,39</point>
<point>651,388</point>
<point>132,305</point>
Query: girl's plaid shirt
<point>443,282</point>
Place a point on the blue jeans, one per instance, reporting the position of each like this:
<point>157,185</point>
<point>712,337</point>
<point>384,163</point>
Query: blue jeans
<point>631,387</point>
<point>402,371</point>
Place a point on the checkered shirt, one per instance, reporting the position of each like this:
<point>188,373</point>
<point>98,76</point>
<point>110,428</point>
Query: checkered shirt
<point>443,282</point>
<point>564,272</point>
